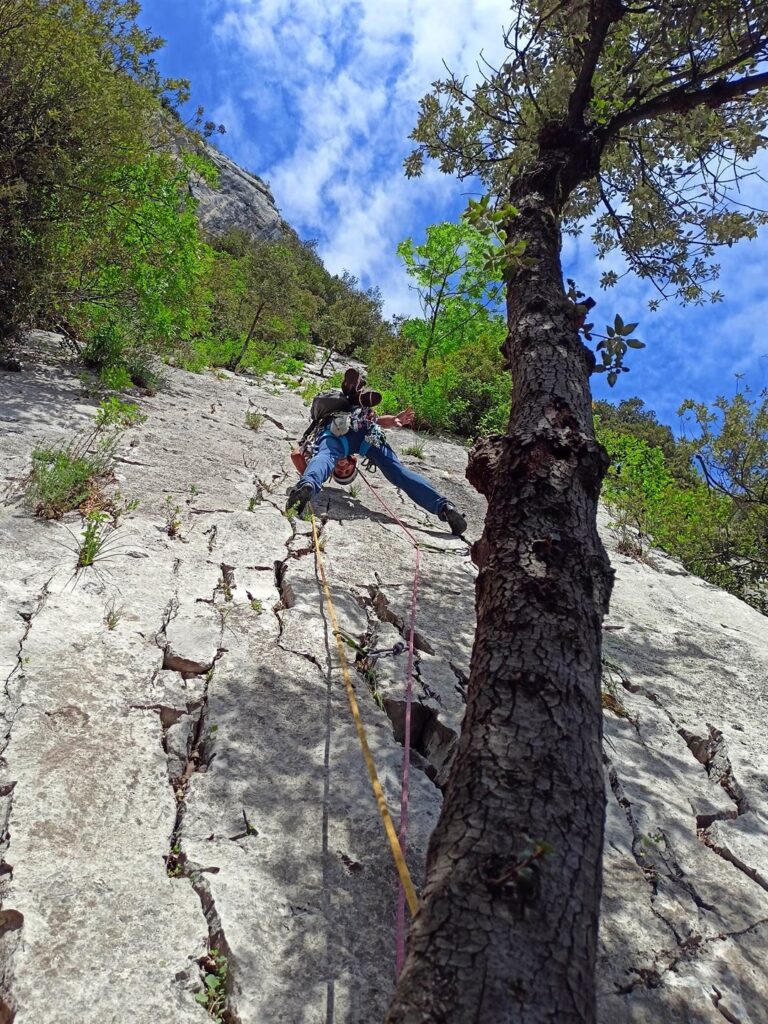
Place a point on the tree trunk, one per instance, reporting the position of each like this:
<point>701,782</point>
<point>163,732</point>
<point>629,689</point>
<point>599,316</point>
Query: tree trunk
<point>507,931</point>
<point>234,364</point>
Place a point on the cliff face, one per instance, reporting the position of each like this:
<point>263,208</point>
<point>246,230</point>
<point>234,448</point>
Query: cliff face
<point>190,777</point>
<point>242,200</point>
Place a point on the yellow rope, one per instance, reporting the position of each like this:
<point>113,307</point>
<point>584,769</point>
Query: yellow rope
<point>378,792</point>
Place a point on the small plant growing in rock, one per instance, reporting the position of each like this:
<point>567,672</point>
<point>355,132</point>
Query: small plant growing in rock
<point>60,480</point>
<point>112,615</point>
<point>114,378</point>
<point>174,862</point>
<point>63,477</point>
<point>214,995</point>
<point>254,420</point>
<point>114,413</point>
<point>172,517</point>
<point>416,450</point>
<point>354,490</point>
<point>92,541</point>
<point>257,606</point>
<point>118,506</point>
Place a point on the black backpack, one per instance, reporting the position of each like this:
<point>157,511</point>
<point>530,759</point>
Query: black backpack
<point>328,403</point>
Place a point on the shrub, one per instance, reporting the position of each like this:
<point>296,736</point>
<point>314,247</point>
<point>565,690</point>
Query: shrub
<point>64,477</point>
<point>465,391</point>
<point>712,535</point>
<point>60,481</point>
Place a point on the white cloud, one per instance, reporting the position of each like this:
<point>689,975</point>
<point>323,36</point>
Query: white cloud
<point>351,73</point>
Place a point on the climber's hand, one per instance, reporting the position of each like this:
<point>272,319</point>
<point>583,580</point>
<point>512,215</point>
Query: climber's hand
<point>404,418</point>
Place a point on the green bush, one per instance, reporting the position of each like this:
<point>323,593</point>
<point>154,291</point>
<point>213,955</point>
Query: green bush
<point>712,535</point>
<point>79,105</point>
<point>465,391</point>
<point>60,481</point>
<point>62,478</point>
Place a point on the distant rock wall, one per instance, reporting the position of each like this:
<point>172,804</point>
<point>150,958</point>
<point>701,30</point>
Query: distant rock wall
<point>179,770</point>
<point>242,200</point>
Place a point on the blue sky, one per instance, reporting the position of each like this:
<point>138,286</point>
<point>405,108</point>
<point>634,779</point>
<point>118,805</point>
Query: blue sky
<point>319,97</point>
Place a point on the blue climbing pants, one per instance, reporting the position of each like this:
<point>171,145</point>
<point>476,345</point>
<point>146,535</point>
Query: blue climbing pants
<point>330,449</point>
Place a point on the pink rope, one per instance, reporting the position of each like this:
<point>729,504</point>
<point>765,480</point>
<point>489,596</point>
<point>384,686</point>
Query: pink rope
<point>400,927</point>
<point>391,511</point>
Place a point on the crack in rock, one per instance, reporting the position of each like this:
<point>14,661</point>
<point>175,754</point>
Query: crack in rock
<point>687,951</point>
<point>716,996</point>
<point>384,613</point>
<point>433,744</point>
<point>662,851</point>
<point>188,741</point>
<point>711,751</point>
<point>432,739</point>
<point>462,681</point>
<point>11,920</point>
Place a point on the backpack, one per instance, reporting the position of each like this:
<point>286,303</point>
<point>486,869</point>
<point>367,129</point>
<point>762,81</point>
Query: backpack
<point>327,403</point>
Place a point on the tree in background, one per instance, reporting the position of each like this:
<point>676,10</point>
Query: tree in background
<point>78,90</point>
<point>631,417</point>
<point>271,301</point>
<point>259,295</point>
<point>350,319</point>
<point>730,444</point>
<point>98,233</point>
<point>139,288</point>
<point>643,119</point>
<point>452,285</point>
<point>447,364</point>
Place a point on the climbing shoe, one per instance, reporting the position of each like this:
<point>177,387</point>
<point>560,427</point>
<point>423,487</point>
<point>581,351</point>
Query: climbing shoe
<point>451,515</point>
<point>298,497</point>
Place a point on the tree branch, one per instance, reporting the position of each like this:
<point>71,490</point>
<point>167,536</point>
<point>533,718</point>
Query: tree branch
<point>602,16</point>
<point>681,101</point>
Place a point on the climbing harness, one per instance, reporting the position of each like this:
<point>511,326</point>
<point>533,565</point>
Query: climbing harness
<point>406,885</point>
<point>336,412</point>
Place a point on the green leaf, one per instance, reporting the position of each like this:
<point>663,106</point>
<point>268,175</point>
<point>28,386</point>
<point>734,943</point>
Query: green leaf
<point>634,343</point>
<point>627,330</point>
<point>202,997</point>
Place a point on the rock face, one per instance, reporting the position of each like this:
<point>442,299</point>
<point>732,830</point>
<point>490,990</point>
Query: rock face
<point>242,200</point>
<point>180,771</point>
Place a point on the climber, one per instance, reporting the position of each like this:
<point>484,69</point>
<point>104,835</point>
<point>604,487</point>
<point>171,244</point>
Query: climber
<point>354,428</point>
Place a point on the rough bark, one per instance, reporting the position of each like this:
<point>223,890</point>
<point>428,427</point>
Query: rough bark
<point>508,925</point>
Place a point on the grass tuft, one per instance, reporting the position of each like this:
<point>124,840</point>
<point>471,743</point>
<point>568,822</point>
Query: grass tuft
<point>416,450</point>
